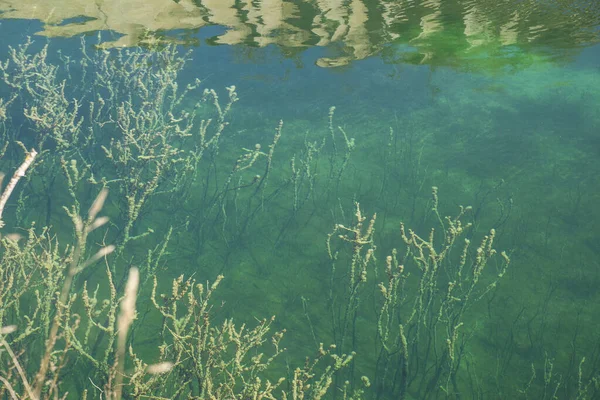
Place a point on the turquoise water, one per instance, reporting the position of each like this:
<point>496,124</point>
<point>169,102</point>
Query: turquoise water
<point>493,103</point>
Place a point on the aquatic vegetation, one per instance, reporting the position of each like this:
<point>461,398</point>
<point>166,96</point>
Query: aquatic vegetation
<point>167,211</point>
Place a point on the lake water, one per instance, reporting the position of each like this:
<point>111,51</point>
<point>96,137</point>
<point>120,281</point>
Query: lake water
<point>313,165</point>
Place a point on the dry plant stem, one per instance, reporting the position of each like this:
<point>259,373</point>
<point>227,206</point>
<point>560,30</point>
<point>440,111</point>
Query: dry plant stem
<point>19,173</point>
<point>263,180</point>
<point>82,229</point>
<point>19,370</point>
<point>261,184</point>
<point>447,281</point>
<point>125,320</point>
<point>358,236</point>
<point>13,394</point>
<point>223,361</point>
<point>350,145</point>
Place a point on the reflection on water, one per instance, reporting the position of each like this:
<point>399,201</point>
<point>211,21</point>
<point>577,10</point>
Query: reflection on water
<point>438,32</point>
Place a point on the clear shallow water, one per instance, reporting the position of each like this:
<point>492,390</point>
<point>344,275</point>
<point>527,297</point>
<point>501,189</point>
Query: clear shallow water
<point>494,103</point>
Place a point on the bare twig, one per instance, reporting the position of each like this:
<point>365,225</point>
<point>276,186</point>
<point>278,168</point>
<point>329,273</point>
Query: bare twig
<point>20,172</point>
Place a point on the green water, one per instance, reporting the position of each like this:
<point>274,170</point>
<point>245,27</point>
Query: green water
<point>494,103</point>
